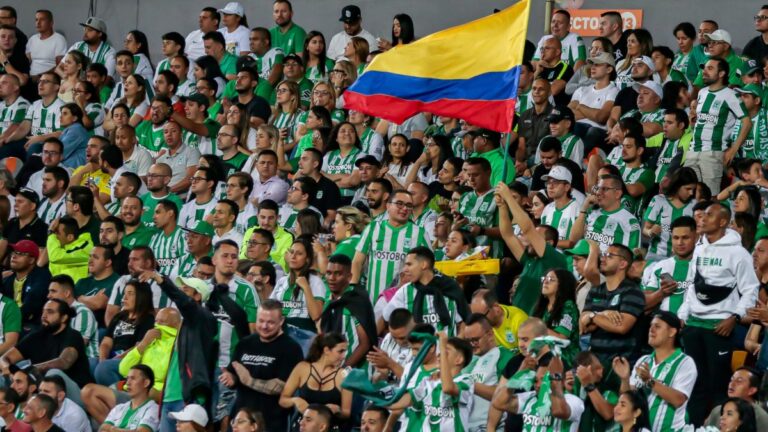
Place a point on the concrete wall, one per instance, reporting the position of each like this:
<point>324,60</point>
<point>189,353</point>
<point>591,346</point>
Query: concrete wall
<point>156,17</point>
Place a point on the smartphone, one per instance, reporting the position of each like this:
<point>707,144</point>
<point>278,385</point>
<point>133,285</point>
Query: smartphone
<point>323,238</point>
<point>666,277</point>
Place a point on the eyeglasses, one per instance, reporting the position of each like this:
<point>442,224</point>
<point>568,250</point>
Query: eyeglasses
<point>221,134</point>
<point>197,179</point>
<point>293,189</point>
<point>603,189</point>
<point>321,93</point>
<point>51,153</point>
<point>610,255</point>
<point>340,72</point>
<point>546,279</point>
<point>474,341</point>
<point>282,90</point>
<point>256,243</point>
<point>45,81</point>
<point>290,64</point>
<point>400,204</point>
<point>151,175</point>
<point>236,422</point>
<point>760,17</point>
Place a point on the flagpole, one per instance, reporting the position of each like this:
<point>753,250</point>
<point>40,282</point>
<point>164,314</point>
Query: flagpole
<point>507,142</point>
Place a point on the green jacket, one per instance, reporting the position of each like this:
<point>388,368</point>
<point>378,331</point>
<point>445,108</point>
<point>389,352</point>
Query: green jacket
<point>71,259</point>
<point>157,356</point>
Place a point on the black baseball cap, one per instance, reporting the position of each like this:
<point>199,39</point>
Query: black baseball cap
<point>368,159</point>
<point>490,135</point>
<point>669,318</point>
<point>29,194</point>
<point>293,57</point>
<point>350,13</point>
<point>559,114</point>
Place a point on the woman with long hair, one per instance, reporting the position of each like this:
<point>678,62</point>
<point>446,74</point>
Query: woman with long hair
<point>356,52</point>
<point>118,116</point>
<point>287,111</point>
<point>135,98</point>
<point>557,308</point>
<point>235,30</point>
<point>323,94</point>
<point>402,32</point>
<point>631,412</point>
<point>685,33</point>
<point>301,290</point>
<point>675,95</point>
<point>370,142</point>
<point>309,224</point>
<point>678,200</point>
<point>349,224</point>
<point>125,330</point>
<point>339,160</point>
<point>436,152</point>
<point>582,76</point>
<point>308,136</point>
<point>396,164</point>
<point>74,136</point>
<point>539,200</point>
<point>318,379</point>
<point>136,42</point>
<point>237,115</point>
<point>208,67</point>
<point>71,69</point>
<point>639,43</point>
<point>317,66</point>
<point>737,415</point>
<point>87,98</point>
<point>248,420</point>
<point>342,76</point>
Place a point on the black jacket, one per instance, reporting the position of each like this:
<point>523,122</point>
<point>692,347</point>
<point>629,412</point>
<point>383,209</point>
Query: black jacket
<point>195,344</point>
<point>33,295</point>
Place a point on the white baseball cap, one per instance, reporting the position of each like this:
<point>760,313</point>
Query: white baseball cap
<point>558,172</point>
<point>191,413</point>
<point>719,36</point>
<point>650,85</point>
<point>233,8</point>
<point>647,61</point>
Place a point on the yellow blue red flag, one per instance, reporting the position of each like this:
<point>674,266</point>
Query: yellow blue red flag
<point>469,72</point>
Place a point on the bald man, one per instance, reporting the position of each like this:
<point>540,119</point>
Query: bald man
<point>725,286</point>
<point>422,215</point>
<point>154,350</point>
<point>553,69</point>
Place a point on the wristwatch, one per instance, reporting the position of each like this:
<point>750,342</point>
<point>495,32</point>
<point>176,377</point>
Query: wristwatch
<point>650,383</point>
<point>590,387</point>
<point>591,316</point>
<point>556,377</point>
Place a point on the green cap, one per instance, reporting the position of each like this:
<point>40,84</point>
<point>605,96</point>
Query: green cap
<point>581,249</point>
<point>199,285</point>
<point>201,227</point>
<point>752,89</point>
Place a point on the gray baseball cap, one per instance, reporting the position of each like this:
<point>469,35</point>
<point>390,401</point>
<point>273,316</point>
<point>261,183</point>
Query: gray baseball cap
<point>96,24</point>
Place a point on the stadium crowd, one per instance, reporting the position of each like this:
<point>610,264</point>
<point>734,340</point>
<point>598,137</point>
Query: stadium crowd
<point>213,241</point>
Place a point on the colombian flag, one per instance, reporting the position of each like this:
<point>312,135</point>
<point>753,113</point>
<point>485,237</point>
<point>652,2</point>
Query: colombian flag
<point>469,72</point>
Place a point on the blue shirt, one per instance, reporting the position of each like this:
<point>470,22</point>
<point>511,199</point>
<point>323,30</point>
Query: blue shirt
<point>75,137</point>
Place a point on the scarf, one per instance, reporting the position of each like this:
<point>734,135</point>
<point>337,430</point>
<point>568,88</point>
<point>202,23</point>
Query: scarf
<point>440,287</point>
<point>357,303</point>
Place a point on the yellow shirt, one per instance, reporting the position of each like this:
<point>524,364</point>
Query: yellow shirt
<point>506,333</point>
<point>98,177</point>
<point>18,289</point>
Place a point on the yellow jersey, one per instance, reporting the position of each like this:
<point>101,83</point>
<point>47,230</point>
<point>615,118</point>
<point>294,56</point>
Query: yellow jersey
<point>506,333</point>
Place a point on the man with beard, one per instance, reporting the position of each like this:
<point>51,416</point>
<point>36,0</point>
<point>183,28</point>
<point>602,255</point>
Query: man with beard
<point>203,186</point>
<point>207,21</point>
<point>27,284</point>
<point>199,240</point>
<point>638,178</point>
<point>53,149</point>
<point>94,291</point>
<point>10,405</point>
<point>55,348</point>
<point>55,184</point>
<point>349,312</point>
<point>149,133</point>
<point>158,181</point>
<point>141,257</point>
<point>94,44</point>
<point>111,235</point>
<point>257,107</point>
<point>182,159</point>
<point>377,195</point>
<point>267,218</point>
<point>26,225</point>
<point>369,168</point>
<point>136,233</point>
<point>286,34</point>
<point>261,365</point>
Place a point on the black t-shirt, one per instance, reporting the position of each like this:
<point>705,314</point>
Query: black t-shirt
<point>756,49</point>
<point>266,360</point>
<point>37,231</point>
<point>561,71</point>
<point>120,261</point>
<point>55,428</point>
<point>257,107</point>
<point>41,346</point>
<point>620,47</point>
<point>93,226</point>
<point>328,196</point>
<point>126,333</point>
<point>626,99</point>
<point>577,183</point>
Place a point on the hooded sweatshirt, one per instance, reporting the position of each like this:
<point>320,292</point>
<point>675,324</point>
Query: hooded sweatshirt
<point>724,282</point>
<point>157,355</point>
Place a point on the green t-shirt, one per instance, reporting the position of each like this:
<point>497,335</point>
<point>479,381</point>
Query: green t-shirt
<point>90,286</point>
<point>568,326</point>
<point>173,390</point>
<point>228,64</point>
<point>151,137</point>
<point>235,163</point>
<point>291,42</point>
<point>140,237</point>
<point>10,315</point>
<point>150,202</point>
<point>262,89</point>
<point>496,159</point>
<point>347,246</point>
<point>534,268</point>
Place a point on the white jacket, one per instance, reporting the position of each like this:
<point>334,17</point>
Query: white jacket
<point>722,263</point>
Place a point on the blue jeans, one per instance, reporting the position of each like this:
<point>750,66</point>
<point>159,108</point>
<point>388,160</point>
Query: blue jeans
<point>106,372</point>
<point>167,424</point>
<point>302,337</point>
<point>35,148</point>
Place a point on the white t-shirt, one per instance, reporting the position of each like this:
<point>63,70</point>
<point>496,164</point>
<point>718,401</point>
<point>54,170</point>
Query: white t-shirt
<point>340,40</point>
<point>236,41</point>
<point>139,162</point>
<point>593,98</point>
<point>194,46</point>
<point>44,52</point>
<point>71,417</point>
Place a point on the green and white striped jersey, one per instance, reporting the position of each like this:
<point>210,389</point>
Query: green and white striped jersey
<point>285,120</point>
<point>481,210</point>
<point>427,220</point>
<point>614,157</point>
<point>122,416</point>
<point>716,114</point>
<point>159,299</point>
<point>680,63</point>
<point>168,249</point>
<point>441,412</point>
<point>246,218</point>
<point>656,116</point>
<point>676,267</point>
<point>313,72</point>
<point>524,102</point>
<point>485,369</point>
<point>386,248</point>
<point>573,48</point>
<point>287,215</point>
<point>668,150</point>
<point>204,144</point>
<point>662,212</point>
<point>244,294</point>
<point>44,119</point>
<point>10,317</point>
<point>95,111</point>
<point>457,145</point>
<point>573,149</point>
<point>349,325</point>
<point>185,266</point>
<point>296,306</point>
<point>336,163</point>
<point>14,113</point>
<point>618,226</point>
<point>266,62</point>
<point>756,144</point>
<point>48,211</point>
<point>404,298</point>
<point>413,412</point>
<point>641,175</point>
<point>532,422</point>
<point>85,323</point>
<point>677,371</point>
<point>104,54</point>
<point>561,219</point>
<point>192,211</point>
<point>372,143</point>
